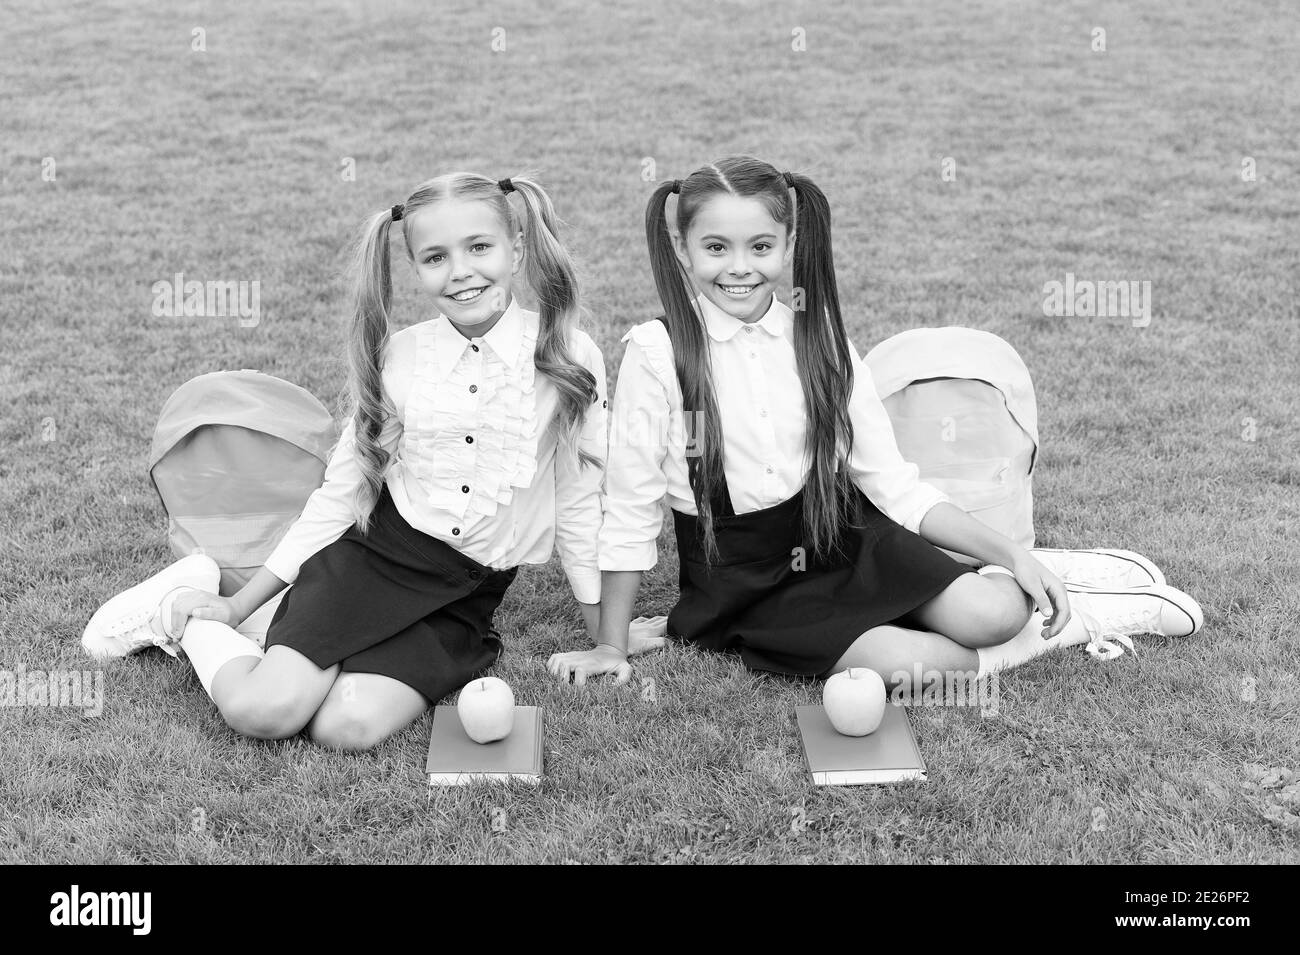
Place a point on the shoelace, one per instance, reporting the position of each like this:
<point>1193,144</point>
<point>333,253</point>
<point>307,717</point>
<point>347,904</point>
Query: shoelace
<point>1107,641</point>
<point>134,627</point>
<point>1108,575</point>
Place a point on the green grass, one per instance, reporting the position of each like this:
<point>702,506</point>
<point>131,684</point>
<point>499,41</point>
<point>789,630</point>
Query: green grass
<point>1116,165</point>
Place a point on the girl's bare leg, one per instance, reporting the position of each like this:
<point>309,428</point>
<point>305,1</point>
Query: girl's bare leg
<point>273,697</point>
<point>973,611</point>
<point>362,710</point>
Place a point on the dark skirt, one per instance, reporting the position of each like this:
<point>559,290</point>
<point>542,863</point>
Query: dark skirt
<point>794,615</point>
<point>395,602</point>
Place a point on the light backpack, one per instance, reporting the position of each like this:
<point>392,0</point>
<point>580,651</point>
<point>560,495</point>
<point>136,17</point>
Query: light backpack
<point>963,411</point>
<point>235,456</point>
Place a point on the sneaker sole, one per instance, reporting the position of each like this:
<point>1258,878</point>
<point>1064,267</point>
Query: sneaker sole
<point>1150,569</point>
<point>1184,602</point>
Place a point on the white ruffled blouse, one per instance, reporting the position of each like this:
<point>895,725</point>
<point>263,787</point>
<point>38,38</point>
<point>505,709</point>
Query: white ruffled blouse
<point>475,461</point>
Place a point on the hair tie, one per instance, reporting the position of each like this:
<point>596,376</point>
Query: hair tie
<point>398,211</point>
<point>506,186</point>
<point>677,187</point>
<point>789,179</point>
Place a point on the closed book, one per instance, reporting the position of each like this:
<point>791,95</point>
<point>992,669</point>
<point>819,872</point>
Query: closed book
<point>455,759</point>
<point>888,755</point>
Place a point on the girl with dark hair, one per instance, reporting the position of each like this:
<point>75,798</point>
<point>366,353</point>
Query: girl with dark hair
<point>807,544</point>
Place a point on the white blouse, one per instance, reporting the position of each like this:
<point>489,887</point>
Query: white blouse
<point>761,404</point>
<point>475,460</point>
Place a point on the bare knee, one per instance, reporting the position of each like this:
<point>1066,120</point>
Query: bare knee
<point>347,728</point>
<point>999,611</point>
<point>264,715</point>
<point>891,651</point>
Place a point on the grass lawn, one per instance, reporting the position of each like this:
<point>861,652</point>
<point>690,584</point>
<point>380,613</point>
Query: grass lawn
<point>1179,439</point>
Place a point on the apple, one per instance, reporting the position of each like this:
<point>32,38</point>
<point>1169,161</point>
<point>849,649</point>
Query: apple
<point>854,700</point>
<point>486,709</point>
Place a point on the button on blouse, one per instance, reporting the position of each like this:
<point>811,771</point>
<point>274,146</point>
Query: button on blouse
<point>763,411</point>
<point>474,459</point>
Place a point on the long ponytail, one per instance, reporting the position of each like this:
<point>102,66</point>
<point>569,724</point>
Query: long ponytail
<point>825,361</point>
<point>549,271</point>
<point>367,339</point>
<point>693,365</point>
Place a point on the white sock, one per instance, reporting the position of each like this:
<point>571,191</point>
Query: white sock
<point>995,569</point>
<point>1029,642</point>
<point>210,645</point>
<point>259,621</point>
<point>1021,648</point>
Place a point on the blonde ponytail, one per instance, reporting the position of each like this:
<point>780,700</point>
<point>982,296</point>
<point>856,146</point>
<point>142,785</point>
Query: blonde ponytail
<point>367,339</point>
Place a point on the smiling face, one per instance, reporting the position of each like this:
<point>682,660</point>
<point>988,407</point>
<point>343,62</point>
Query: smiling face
<point>464,255</point>
<point>735,252</point>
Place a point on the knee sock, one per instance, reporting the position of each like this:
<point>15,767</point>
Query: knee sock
<point>259,621</point>
<point>1028,643</point>
<point>210,645</point>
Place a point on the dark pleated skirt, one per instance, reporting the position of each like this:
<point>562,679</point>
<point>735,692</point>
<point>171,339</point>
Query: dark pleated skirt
<point>396,602</point>
<point>787,613</point>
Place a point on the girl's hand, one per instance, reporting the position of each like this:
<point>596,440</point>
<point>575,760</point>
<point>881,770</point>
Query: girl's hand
<point>646,633</point>
<point>205,606</point>
<point>1046,591</point>
<point>580,664</point>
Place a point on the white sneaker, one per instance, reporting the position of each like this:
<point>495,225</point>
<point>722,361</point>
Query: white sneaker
<point>1112,617</point>
<point>137,618</point>
<point>645,634</point>
<point>1100,567</point>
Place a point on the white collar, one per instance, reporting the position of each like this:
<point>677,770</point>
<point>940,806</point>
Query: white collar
<point>776,321</point>
<point>504,339</point>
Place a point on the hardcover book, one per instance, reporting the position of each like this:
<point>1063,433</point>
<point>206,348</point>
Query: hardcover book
<point>455,759</point>
<point>888,755</point>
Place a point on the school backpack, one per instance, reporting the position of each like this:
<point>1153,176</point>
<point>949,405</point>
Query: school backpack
<point>235,456</point>
<point>963,411</point>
